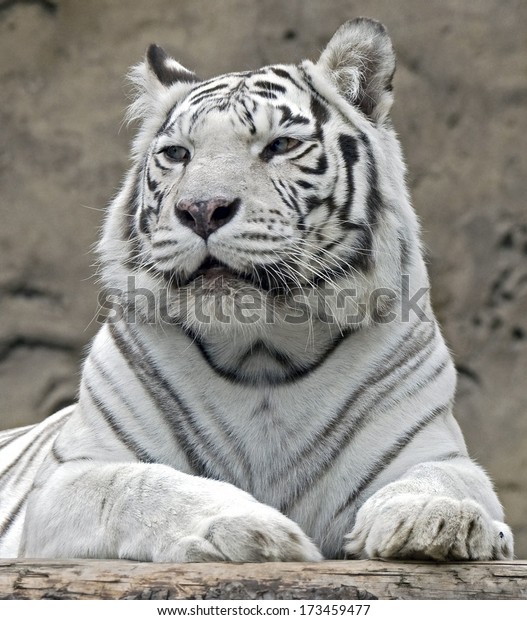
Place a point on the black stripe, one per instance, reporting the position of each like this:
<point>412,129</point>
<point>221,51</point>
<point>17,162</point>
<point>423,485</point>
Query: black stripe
<point>177,414</point>
<point>124,437</point>
<point>296,373</point>
<point>140,454</point>
<point>132,261</point>
<point>12,516</point>
<point>320,167</point>
<point>304,152</point>
<point>201,93</point>
<point>319,110</point>
<point>305,184</point>
<point>159,196</point>
<point>374,200</point>
<point>322,252</point>
<point>55,454</point>
<point>281,190</point>
<point>164,243</point>
<point>350,155</point>
<point>158,163</point>
<point>271,86</point>
<point>37,452</point>
<point>265,94</point>
<point>166,122</point>
<point>151,183</point>
<point>364,416</point>
<point>200,98</point>
<point>313,202</point>
<point>286,75</point>
<point>360,258</point>
<point>247,117</point>
<point>154,387</point>
<point>336,435</point>
<point>144,221</point>
<point>46,433</point>
<point>389,456</point>
<point>200,111</point>
<point>258,237</point>
<point>246,74</point>
<point>288,118</point>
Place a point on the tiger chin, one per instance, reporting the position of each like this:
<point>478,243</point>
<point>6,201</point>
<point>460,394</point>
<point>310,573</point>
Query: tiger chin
<point>271,384</point>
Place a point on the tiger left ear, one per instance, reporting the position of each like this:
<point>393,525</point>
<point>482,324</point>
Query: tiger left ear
<point>360,62</point>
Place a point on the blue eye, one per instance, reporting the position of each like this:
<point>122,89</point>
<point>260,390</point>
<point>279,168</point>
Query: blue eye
<point>177,154</point>
<point>281,146</point>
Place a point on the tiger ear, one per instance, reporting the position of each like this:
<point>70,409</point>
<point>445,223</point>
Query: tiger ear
<point>158,82</point>
<point>360,62</point>
<point>167,70</point>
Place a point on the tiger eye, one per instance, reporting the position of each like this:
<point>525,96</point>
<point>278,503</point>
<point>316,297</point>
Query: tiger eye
<point>177,154</point>
<point>282,145</point>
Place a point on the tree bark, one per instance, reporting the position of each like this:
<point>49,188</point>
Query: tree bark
<point>337,580</point>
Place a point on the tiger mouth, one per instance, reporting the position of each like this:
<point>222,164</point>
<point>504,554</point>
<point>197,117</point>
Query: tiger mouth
<point>210,272</point>
<point>213,274</point>
<point>213,268</point>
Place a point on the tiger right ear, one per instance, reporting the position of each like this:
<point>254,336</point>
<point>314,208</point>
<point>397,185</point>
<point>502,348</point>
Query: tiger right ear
<point>167,70</point>
<point>159,81</point>
<point>360,62</point>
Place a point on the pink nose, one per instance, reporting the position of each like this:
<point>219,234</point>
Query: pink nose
<point>205,216</point>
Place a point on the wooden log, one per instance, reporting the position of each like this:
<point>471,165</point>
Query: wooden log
<point>337,580</point>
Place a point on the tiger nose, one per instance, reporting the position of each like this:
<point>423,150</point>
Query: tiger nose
<point>205,216</point>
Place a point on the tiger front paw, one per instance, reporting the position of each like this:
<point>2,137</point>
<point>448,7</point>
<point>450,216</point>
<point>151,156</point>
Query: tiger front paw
<point>254,537</point>
<point>266,536</point>
<point>411,526</point>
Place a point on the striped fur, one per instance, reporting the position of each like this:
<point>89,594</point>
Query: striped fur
<point>317,419</point>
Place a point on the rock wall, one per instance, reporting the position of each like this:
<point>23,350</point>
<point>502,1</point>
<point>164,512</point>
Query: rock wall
<point>461,91</point>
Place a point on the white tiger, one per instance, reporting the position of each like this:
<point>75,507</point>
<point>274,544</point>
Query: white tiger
<point>271,383</point>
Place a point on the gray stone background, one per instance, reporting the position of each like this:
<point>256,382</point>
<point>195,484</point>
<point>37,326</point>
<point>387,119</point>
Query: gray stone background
<point>461,95</point>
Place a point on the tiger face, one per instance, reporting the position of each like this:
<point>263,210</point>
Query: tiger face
<point>276,183</point>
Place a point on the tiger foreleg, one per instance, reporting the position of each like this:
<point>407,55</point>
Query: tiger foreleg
<point>154,513</point>
<point>433,513</point>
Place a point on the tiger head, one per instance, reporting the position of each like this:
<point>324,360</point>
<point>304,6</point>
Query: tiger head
<point>267,185</point>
